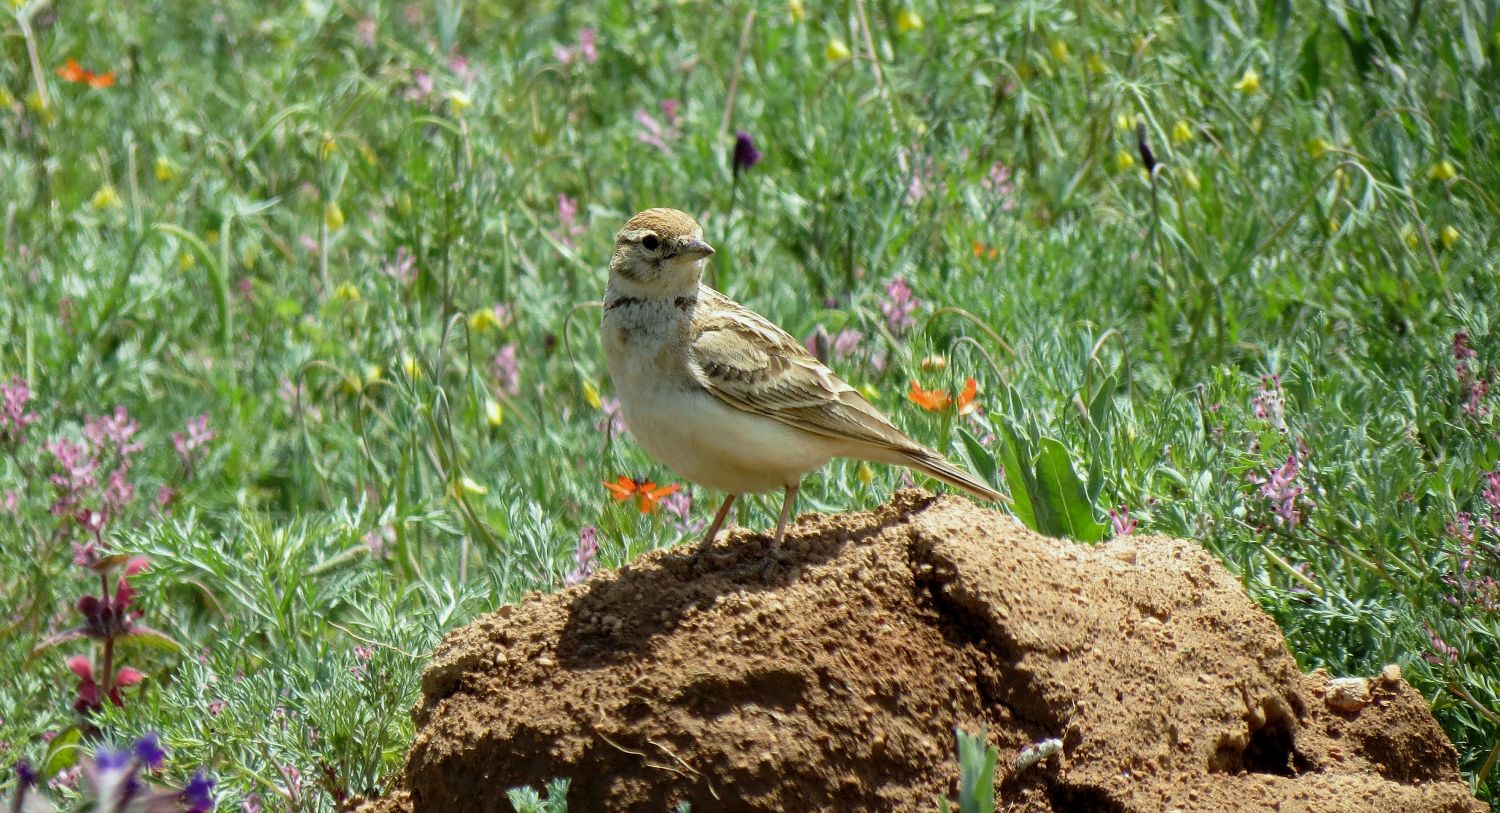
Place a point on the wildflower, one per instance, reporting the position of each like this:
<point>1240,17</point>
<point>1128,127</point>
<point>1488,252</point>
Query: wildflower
<point>1249,81</point>
<point>411,366</point>
<point>645,492</point>
<point>1123,161</point>
<point>1182,132</point>
<point>981,250</point>
<point>930,400</point>
<point>1449,236</point>
<point>654,133</point>
<point>680,505</point>
<point>1443,171</point>
<point>14,416</point>
<point>1121,521</point>
<point>836,50</point>
<point>567,219</point>
<point>421,86</point>
<point>908,21</point>
<point>1189,178</point>
<point>379,540</point>
<point>507,369</point>
<point>198,795</point>
<point>846,341</point>
<point>459,100</point>
<point>864,473</point>
<point>1442,653</point>
<point>999,184</point>
<point>365,31</point>
<point>1059,51</point>
<point>484,320</point>
<point>585,556</point>
<point>346,292</point>
<point>966,403</point>
<point>333,216</point>
<point>899,305</point>
<point>91,694</point>
<point>148,750</point>
<point>73,72</point>
<point>797,11</point>
<point>402,267</point>
<point>591,395</point>
<point>1277,487</point>
<point>166,171</point>
<point>1142,145</point>
<point>745,154</point>
<point>612,420</point>
<point>196,437</point>
<point>105,198</point>
<point>1268,404</point>
<point>493,414</point>
<point>1461,349</point>
<point>1095,64</point>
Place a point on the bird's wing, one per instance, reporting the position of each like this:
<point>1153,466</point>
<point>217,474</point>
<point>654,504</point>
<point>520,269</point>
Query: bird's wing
<point>752,365</point>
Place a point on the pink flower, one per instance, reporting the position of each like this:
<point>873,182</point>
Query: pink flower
<point>567,220</point>
<point>196,437</point>
<point>653,133</point>
<point>999,185</point>
<point>669,108</point>
<point>1268,404</point>
<point>585,556</point>
<point>365,31</point>
<point>899,305</point>
<point>14,417</point>
<point>402,267</point>
<point>586,46</point>
<point>1121,522</point>
<point>680,505</point>
<point>611,419</point>
<point>1278,487</point>
<point>507,369</point>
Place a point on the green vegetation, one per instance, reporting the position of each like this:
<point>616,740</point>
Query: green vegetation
<point>360,240</point>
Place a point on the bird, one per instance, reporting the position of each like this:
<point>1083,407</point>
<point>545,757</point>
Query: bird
<point>722,396</point>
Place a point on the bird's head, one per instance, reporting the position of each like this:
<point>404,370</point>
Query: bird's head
<point>659,252</point>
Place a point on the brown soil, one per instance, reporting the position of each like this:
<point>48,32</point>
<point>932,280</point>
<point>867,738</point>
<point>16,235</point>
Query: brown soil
<point>837,684</point>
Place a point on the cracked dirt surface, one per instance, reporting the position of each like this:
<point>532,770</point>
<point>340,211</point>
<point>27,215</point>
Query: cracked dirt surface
<point>836,685</point>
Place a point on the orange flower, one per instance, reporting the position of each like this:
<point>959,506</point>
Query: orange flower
<point>73,72</point>
<point>930,400</point>
<point>939,401</point>
<point>966,402</point>
<point>982,250</point>
<point>647,493</point>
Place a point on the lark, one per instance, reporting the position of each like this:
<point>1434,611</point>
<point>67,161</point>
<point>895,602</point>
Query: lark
<point>720,395</point>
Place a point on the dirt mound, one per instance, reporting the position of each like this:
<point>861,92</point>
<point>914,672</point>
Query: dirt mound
<point>837,684</point>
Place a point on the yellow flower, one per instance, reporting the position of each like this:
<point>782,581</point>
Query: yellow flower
<point>908,21</point>
<point>466,485</point>
<point>333,216</point>
<point>591,395</point>
<point>1317,147</point>
<point>34,101</point>
<point>166,171</point>
<point>186,260</point>
<point>1249,81</point>
<point>1125,121</point>
<point>105,198</point>
<point>1059,51</point>
<point>837,50</point>
<point>1095,64</point>
<point>865,474</point>
<point>328,147</point>
<point>410,366</point>
<point>1190,178</point>
<point>346,292</point>
<point>1182,132</point>
<point>493,414</point>
<point>869,392</point>
<point>1123,160</point>
<point>1449,235</point>
<point>483,321</point>
<point>1409,234</point>
<point>1333,225</point>
<point>373,372</point>
<point>352,384</point>
<point>459,100</point>
<point>797,10</point>
<point>6,99</point>
<point>1443,171</point>
<point>211,236</point>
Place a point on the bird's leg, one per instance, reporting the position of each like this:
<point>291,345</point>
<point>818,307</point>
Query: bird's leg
<point>773,554</point>
<point>713,528</point>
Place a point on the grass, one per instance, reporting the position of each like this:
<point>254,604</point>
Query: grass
<point>297,220</point>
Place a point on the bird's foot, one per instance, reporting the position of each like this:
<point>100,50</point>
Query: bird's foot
<point>775,555</point>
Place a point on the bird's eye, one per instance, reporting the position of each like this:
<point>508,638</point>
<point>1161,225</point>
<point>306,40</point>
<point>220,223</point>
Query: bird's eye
<point>650,243</point>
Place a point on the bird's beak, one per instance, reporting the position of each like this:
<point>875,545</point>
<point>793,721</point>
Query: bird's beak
<point>695,249</point>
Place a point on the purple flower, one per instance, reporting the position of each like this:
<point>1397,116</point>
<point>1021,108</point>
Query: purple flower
<point>1120,520</point>
<point>745,154</point>
<point>1277,486</point>
<point>1461,349</point>
<point>198,795</point>
<point>840,346</point>
<point>14,417</point>
<point>669,108</point>
<point>507,369</point>
<point>654,133</point>
<point>106,431</point>
<point>922,175</point>
<point>25,774</point>
<point>611,418</point>
<point>421,86</point>
<point>1491,491</point>
<point>1442,653</point>
<point>899,305</point>
<point>587,49</point>
<point>1268,404</point>
<point>149,751</point>
<point>585,556</point>
<point>680,505</point>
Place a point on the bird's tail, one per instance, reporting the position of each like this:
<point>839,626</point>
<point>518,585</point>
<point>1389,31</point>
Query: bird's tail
<point>935,466</point>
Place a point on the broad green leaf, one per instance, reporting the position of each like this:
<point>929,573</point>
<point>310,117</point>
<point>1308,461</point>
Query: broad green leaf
<point>1060,489</point>
<point>62,753</point>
